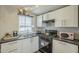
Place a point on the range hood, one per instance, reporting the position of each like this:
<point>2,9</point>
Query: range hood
<point>48,21</point>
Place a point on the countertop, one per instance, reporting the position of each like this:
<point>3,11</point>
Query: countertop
<point>17,38</point>
<point>75,41</point>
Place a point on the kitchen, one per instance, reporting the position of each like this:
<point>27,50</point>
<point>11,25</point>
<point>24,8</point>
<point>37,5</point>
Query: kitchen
<point>39,29</point>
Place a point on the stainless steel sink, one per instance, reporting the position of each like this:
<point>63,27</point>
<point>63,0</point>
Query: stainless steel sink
<point>26,36</point>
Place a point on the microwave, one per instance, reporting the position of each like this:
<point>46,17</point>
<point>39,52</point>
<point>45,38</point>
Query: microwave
<point>66,35</point>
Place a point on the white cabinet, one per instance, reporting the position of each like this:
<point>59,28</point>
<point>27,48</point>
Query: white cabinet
<point>34,44</point>
<point>63,47</point>
<point>67,17</point>
<point>52,15</point>
<point>39,21</point>
<point>49,16</point>
<point>10,47</point>
<point>28,45</point>
<point>24,46</point>
<point>64,17</point>
<point>45,16</point>
<point>19,46</point>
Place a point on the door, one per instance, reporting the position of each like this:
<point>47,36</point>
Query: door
<point>34,44</point>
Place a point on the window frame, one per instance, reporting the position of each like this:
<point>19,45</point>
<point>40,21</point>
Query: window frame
<point>26,26</point>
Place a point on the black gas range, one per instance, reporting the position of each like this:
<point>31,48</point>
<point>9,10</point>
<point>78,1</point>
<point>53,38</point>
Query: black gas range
<point>45,41</point>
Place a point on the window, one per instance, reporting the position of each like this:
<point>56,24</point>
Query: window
<point>25,24</point>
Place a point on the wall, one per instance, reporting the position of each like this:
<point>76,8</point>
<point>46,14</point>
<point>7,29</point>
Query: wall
<point>8,20</point>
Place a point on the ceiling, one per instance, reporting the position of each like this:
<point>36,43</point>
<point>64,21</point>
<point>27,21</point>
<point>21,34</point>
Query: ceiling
<point>41,9</point>
<point>45,8</point>
<point>38,9</point>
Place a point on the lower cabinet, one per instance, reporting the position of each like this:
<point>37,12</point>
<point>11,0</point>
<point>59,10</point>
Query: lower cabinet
<point>23,46</point>
<point>34,44</point>
<point>63,47</point>
<point>26,45</point>
<point>29,45</point>
<point>9,47</point>
<point>19,46</point>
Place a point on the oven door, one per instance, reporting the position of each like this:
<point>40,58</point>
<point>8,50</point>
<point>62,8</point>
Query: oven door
<point>46,49</point>
<point>45,46</point>
<point>43,43</point>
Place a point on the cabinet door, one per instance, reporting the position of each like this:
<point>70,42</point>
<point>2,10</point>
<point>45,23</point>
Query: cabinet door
<point>10,47</point>
<point>69,15</point>
<point>52,15</point>
<point>26,46</point>
<point>58,23</point>
<point>46,16</point>
<point>58,47</point>
<point>34,44</point>
<point>20,46</point>
<point>39,21</point>
<point>58,18</point>
<point>63,47</point>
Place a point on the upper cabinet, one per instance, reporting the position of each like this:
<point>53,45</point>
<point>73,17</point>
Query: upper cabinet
<point>52,15</point>
<point>67,17</point>
<point>39,20</point>
<point>49,16</point>
<point>64,17</point>
<point>46,17</point>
